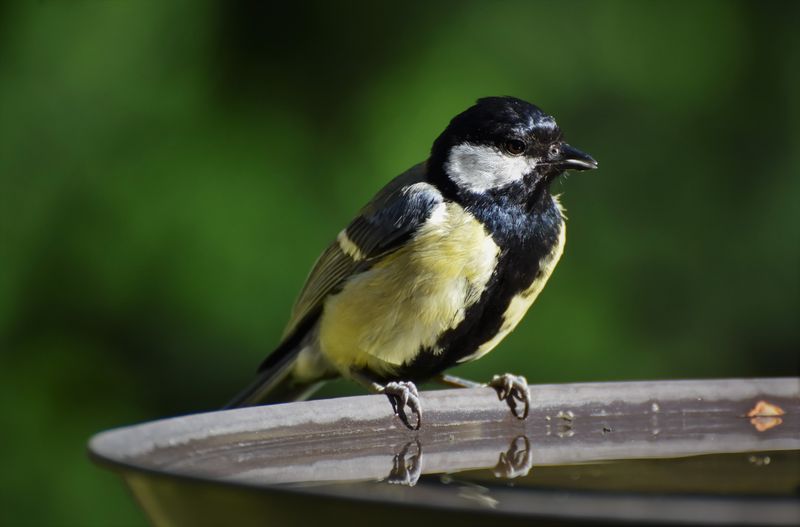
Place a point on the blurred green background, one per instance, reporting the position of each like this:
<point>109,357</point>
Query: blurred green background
<point>170,170</point>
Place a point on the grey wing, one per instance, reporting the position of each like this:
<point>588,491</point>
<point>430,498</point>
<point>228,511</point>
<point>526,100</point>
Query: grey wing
<point>389,219</point>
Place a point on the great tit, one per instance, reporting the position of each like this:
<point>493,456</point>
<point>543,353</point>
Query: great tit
<point>437,269</point>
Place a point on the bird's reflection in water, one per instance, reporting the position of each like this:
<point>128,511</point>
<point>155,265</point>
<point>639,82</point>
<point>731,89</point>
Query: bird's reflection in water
<point>473,492</point>
<point>515,462</point>
<point>407,465</point>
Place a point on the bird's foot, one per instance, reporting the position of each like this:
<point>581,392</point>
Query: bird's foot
<point>512,389</point>
<point>517,461</point>
<point>404,395</point>
<point>406,466</point>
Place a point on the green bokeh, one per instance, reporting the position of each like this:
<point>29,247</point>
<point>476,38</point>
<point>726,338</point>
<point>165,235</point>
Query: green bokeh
<point>170,170</point>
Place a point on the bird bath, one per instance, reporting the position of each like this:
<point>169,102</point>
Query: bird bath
<point>667,452</point>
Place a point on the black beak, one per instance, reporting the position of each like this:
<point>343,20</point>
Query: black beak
<point>574,159</point>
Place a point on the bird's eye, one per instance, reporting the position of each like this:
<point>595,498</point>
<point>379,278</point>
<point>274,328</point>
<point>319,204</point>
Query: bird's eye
<point>514,147</point>
<point>554,150</point>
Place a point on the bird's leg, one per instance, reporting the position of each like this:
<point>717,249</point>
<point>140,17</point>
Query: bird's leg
<point>401,394</point>
<point>512,389</point>
<point>458,382</point>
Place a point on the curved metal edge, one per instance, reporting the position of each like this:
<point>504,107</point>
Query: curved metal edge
<point>442,407</point>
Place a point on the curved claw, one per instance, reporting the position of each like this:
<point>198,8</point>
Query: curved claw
<point>406,467</point>
<point>404,395</point>
<point>515,462</point>
<point>513,389</point>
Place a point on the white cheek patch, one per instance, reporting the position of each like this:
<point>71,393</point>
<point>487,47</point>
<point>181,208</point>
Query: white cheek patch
<point>479,168</point>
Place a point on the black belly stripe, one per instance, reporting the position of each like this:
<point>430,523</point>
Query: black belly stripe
<point>525,238</point>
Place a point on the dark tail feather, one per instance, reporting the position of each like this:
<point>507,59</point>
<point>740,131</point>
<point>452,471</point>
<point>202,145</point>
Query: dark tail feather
<point>274,384</point>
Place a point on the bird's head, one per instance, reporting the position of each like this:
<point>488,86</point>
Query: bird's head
<point>503,143</point>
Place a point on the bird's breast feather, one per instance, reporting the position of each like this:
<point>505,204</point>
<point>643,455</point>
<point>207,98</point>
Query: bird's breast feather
<point>384,316</point>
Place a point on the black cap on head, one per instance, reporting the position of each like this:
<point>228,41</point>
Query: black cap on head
<point>495,119</point>
<point>502,144</point>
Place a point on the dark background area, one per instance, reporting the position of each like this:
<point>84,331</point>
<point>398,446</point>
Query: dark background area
<point>170,170</point>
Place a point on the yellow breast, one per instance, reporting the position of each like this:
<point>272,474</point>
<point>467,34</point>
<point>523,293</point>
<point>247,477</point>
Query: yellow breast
<point>383,316</point>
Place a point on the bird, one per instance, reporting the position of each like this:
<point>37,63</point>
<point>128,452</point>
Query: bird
<point>436,270</point>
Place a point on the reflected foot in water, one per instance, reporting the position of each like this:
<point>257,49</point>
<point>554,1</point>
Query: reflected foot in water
<point>513,389</point>
<point>517,461</point>
<point>406,469</point>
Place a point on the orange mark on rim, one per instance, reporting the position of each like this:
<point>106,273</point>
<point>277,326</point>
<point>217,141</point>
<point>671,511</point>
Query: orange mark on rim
<point>764,416</point>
